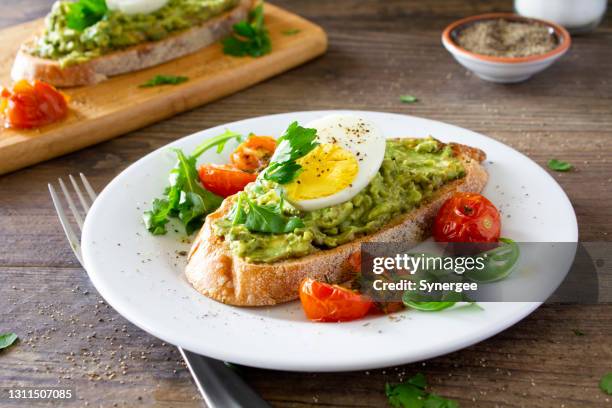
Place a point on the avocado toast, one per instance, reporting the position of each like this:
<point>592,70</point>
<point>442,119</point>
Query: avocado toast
<point>121,43</point>
<point>222,267</point>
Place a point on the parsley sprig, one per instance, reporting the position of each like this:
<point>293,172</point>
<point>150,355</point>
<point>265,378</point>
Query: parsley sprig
<point>85,13</point>
<point>250,37</point>
<point>263,218</point>
<point>412,394</point>
<point>164,80</point>
<point>185,198</point>
<point>296,142</point>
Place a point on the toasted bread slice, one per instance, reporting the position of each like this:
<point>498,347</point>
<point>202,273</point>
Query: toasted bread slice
<point>130,59</point>
<point>215,272</point>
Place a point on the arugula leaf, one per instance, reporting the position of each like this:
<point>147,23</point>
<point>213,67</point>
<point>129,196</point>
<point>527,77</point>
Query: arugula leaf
<point>185,197</point>
<point>292,31</point>
<point>411,394</point>
<point>264,218</point>
<point>7,339</point>
<point>164,80</point>
<point>559,165</point>
<point>408,99</point>
<point>85,13</point>
<point>249,37</point>
<point>296,142</point>
<point>605,384</point>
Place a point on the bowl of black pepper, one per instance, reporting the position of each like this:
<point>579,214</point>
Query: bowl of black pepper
<point>505,47</point>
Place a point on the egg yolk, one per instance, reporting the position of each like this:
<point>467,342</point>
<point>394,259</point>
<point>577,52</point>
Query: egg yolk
<point>326,170</point>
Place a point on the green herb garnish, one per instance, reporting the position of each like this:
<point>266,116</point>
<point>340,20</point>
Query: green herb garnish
<point>605,384</point>
<point>7,339</point>
<point>164,80</point>
<point>185,198</point>
<point>292,31</point>
<point>408,99</point>
<point>85,13</point>
<point>249,37</point>
<point>296,142</point>
<point>498,262</point>
<point>264,218</point>
<point>578,332</point>
<point>559,165</point>
<point>411,394</point>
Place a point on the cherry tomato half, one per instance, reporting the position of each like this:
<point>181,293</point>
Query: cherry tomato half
<point>32,105</point>
<point>253,154</point>
<point>323,302</point>
<point>467,217</point>
<point>224,180</point>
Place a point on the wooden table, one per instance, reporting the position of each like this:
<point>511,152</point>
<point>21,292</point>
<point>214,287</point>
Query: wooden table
<point>378,51</point>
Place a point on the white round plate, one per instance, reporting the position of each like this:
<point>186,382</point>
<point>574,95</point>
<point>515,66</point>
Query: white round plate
<point>141,275</point>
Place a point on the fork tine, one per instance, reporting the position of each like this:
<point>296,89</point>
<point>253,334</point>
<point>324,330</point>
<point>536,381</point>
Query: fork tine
<point>71,205</point>
<point>79,194</point>
<point>90,191</point>
<point>72,237</point>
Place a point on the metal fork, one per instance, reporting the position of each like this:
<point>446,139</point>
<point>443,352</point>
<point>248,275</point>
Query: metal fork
<point>219,385</point>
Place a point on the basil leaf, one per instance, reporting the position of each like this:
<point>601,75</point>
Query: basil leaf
<point>498,262</point>
<point>249,37</point>
<point>164,80</point>
<point>605,384</point>
<point>559,165</point>
<point>7,340</point>
<point>296,142</point>
<point>408,99</point>
<point>85,13</point>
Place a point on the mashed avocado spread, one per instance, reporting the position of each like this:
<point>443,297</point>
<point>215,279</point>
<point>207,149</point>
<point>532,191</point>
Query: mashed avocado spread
<point>117,30</point>
<point>411,171</point>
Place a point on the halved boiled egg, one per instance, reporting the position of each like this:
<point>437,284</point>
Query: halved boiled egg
<point>136,6</point>
<point>348,156</point>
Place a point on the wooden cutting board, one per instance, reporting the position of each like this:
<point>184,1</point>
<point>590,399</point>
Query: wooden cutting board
<point>118,105</point>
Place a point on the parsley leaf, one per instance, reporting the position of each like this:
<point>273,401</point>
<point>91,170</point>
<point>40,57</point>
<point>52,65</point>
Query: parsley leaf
<point>164,80</point>
<point>296,142</point>
<point>185,198</point>
<point>85,13</point>
<point>249,37</point>
<point>264,218</point>
<point>559,165</point>
<point>292,31</point>
<point>7,339</point>
<point>408,99</point>
<point>411,394</point>
<point>578,332</point>
<point>606,383</point>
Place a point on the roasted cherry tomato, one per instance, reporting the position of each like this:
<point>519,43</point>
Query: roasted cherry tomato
<point>32,105</point>
<point>467,217</point>
<point>224,180</point>
<point>253,154</point>
<point>323,302</point>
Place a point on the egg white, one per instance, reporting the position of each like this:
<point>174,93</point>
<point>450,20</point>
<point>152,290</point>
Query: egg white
<point>360,137</point>
<point>136,6</point>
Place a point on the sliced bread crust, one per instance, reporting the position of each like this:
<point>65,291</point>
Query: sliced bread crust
<point>214,271</point>
<point>131,59</point>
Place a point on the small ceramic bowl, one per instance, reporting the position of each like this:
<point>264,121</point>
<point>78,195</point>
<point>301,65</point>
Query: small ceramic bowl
<point>504,69</point>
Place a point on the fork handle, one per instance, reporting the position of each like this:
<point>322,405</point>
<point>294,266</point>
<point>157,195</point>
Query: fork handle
<point>219,385</point>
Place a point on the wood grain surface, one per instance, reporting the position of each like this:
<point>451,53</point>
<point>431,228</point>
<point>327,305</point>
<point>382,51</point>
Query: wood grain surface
<point>378,50</point>
<point>119,105</point>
